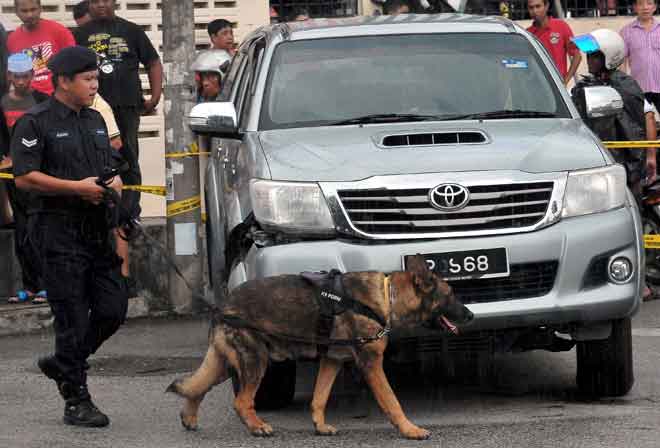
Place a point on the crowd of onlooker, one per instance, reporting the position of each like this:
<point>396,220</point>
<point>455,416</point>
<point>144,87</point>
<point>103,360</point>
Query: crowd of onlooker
<point>122,46</point>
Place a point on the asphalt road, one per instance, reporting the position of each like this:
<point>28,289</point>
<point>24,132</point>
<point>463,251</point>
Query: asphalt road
<point>529,402</point>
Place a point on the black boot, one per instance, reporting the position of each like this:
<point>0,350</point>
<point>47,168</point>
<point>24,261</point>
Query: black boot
<point>79,409</point>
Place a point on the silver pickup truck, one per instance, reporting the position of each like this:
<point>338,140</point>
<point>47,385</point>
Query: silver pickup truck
<point>352,144</point>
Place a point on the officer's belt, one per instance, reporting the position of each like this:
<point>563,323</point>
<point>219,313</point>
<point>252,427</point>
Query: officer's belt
<point>68,205</point>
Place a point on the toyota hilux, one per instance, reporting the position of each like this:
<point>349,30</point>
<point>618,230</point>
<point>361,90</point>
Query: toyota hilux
<point>355,143</point>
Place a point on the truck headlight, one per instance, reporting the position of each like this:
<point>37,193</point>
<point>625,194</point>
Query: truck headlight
<point>594,190</point>
<point>291,206</point>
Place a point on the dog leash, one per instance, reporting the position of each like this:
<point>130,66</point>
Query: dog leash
<point>238,322</point>
<point>134,227</point>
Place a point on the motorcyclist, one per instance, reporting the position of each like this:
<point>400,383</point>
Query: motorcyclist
<point>605,51</point>
<point>210,67</point>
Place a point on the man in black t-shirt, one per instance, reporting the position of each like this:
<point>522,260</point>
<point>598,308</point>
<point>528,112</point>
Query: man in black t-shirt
<point>122,46</point>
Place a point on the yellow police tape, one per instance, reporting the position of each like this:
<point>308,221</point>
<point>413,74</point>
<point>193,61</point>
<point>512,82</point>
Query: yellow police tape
<point>633,144</point>
<point>150,189</point>
<point>176,155</point>
<point>651,241</point>
<point>193,150</point>
<point>181,207</point>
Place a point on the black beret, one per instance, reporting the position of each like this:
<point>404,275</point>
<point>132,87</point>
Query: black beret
<point>73,60</point>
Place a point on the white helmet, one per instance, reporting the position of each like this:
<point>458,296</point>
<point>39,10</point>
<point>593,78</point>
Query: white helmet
<point>212,61</point>
<point>609,42</point>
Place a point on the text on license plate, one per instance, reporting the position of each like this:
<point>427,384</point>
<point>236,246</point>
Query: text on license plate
<point>462,265</point>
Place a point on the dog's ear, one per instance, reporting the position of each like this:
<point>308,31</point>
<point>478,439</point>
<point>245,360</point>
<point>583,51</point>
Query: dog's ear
<point>417,266</point>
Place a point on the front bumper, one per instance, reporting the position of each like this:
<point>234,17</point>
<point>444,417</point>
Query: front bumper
<point>573,242</point>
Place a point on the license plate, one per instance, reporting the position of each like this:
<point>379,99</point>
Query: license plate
<point>468,264</point>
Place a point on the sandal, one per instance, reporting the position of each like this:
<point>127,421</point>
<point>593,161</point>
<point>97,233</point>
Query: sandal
<point>649,294</point>
<point>40,298</point>
<point>21,296</point>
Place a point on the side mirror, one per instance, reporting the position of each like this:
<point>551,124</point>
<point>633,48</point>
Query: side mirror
<point>602,101</point>
<point>213,119</point>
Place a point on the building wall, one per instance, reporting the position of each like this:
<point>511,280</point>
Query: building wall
<point>247,14</point>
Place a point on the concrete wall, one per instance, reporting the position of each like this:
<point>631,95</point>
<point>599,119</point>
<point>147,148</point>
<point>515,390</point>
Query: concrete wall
<point>247,14</point>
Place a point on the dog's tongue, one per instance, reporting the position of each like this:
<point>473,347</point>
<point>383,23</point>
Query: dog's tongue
<point>451,327</point>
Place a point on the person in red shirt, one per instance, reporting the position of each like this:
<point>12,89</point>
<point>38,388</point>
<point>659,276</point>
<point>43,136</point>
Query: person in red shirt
<point>41,39</point>
<point>555,35</point>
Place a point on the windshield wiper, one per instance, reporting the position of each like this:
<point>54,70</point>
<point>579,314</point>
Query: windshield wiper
<point>505,113</point>
<point>385,118</point>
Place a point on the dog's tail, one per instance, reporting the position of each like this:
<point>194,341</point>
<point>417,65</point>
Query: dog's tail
<point>212,371</point>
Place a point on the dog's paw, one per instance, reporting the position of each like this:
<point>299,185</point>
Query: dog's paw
<point>326,430</point>
<point>263,430</point>
<point>189,421</point>
<point>173,388</point>
<point>416,433</point>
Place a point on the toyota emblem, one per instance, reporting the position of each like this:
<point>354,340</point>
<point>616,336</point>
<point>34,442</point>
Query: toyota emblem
<point>449,197</point>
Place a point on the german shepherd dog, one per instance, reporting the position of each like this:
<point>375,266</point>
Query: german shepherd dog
<point>285,305</point>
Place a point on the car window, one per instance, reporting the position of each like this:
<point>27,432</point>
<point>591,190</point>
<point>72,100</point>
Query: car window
<point>314,82</point>
<point>228,88</point>
<point>255,56</point>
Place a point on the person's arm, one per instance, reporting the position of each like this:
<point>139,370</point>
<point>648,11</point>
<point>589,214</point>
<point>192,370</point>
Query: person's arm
<point>148,56</point>
<point>155,73</point>
<point>3,60</point>
<point>572,51</point>
<point>87,188</point>
<point>626,55</point>
<point>651,134</point>
<point>575,63</point>
<point>101,106</point>
<point>27,146</point>
<point>116,142</point>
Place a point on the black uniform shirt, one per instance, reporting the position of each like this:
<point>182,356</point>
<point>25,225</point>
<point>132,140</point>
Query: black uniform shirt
<point>54,139</point>
<point>121,46</point>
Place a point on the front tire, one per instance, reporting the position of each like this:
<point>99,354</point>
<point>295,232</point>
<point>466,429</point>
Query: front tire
<point>605,367</point>
<point>277,387</point>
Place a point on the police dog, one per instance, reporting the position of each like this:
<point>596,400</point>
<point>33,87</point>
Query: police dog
<point>285,305</point>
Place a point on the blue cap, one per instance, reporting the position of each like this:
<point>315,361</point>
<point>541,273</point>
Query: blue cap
<point>19,63</point>
<point>586,43</point>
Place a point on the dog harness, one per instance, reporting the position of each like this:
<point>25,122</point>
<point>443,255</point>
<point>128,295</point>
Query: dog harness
<point>332,300</point>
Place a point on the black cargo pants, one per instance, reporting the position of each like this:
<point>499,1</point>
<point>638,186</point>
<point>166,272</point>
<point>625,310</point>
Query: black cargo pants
<point>86,292</point>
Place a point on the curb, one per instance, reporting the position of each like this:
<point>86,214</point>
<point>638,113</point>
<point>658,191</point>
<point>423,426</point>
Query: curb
<point>22,319</point>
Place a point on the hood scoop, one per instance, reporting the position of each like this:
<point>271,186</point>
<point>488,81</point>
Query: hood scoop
<point>434,139</point>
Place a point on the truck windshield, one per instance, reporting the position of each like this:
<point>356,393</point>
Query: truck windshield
<point>417,77</point>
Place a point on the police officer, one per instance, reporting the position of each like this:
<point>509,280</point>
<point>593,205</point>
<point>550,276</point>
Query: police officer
<point>60,148</point>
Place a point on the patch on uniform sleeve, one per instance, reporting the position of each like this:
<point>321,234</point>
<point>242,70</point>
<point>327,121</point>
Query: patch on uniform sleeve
<point>29,143</point>
<point>100,132</point>
<point>514,63</point>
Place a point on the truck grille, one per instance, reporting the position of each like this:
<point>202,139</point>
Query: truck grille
<point>525,281</point>
<point>409,211</point>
